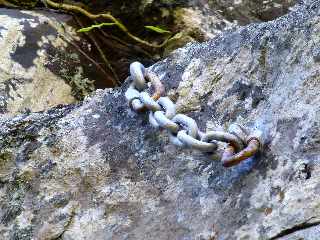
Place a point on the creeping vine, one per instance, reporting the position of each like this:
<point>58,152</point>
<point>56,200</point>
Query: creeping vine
<point>107,16</point>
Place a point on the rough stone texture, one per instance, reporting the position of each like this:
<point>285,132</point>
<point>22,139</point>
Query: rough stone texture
<point>98,171</point>
<point>247,11</point>
<point>39,67</point>
<point>196,24</point>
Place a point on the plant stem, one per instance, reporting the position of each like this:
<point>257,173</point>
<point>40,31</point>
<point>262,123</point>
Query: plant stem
<point>73,8</point>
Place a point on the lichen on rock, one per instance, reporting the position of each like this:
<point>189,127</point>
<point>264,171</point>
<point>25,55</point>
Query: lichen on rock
<point>39,67</point>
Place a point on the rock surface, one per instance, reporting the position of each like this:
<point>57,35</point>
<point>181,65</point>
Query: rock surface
<point>40,64</point>
<point>248,11</point>
<point>97,170</point>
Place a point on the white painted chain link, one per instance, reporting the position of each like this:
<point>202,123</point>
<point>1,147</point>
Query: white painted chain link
<point>183,130</point>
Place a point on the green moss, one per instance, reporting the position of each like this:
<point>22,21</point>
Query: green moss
<point>80,86</point>
<point>179,40</point>
<point>5,158</point>
<point>18,135</point>
<point>15,197</point>
<point>27,176</point>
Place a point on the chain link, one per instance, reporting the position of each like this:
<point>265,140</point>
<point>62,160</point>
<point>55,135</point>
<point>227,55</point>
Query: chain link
<point>183,130</point>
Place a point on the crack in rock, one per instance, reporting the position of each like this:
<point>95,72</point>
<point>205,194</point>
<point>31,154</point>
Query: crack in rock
<point>296,228</point>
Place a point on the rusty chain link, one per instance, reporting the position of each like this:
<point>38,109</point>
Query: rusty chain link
<point>183,130</point>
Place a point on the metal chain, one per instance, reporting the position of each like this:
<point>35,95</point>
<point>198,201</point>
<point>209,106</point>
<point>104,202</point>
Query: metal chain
<point>183,130</point>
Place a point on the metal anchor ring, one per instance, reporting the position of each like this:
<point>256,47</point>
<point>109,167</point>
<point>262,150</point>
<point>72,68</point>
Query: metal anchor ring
<point>231,158</point>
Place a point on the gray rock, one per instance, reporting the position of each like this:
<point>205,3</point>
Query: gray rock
<point>41,65</point>
<point>97,170</point>
<point>247,11</point>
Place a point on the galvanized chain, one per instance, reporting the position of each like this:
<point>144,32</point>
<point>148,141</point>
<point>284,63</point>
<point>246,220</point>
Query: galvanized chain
<point>183,130</point>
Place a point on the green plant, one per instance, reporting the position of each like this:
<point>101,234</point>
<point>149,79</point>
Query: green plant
<point>87,29</point>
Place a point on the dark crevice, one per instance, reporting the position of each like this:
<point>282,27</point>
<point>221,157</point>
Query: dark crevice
<point>66,226</point>
<point>296,228</point>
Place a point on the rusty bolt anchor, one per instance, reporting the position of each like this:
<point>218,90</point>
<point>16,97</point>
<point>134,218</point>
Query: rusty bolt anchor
<point>253,146</point>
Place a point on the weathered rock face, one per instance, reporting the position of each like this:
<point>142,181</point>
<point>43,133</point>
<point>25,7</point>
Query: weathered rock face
<point>99,171</point>
<point>247,11</point>
<point>41,65</point>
